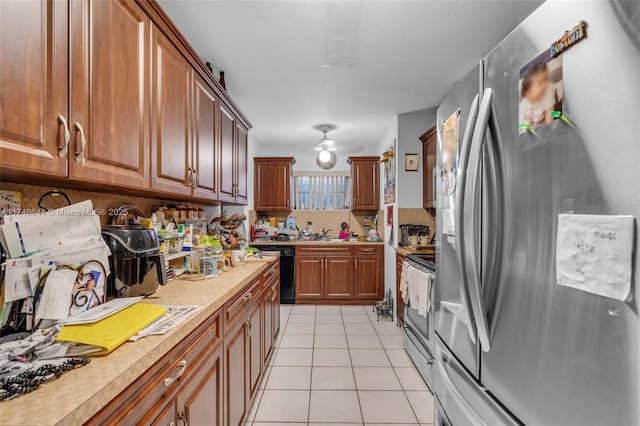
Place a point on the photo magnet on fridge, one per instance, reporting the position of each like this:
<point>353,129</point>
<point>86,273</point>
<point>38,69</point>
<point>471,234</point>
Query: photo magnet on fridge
<point>541,92</point>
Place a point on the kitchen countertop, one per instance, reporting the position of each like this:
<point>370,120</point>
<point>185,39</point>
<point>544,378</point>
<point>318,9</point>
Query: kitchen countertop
<point>78,395</point>
<point>316,243</point>
<point>405,250</point>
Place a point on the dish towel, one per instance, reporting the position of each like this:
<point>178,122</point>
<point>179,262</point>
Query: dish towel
<point>404,282</point>
<point>419,290</point>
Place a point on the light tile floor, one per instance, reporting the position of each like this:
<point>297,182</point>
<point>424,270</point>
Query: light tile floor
<point>338,365</point>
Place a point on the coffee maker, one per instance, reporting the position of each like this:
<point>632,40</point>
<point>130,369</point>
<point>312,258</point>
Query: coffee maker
<point>137,267</point>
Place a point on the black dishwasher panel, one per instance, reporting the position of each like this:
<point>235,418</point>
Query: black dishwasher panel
<point>287,271</point>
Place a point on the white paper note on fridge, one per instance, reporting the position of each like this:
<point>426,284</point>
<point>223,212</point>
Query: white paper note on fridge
<point>594,253</point>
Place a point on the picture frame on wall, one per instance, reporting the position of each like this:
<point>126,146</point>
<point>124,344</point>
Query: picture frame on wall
<point>411,162</point>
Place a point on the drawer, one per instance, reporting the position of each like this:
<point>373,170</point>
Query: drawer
<point>234,309</point>
<point>330,249</point>
<point>273,270</point>
<point>366,249</point>
<point>155,387</point>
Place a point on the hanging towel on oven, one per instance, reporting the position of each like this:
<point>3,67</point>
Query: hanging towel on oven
<point>419,290</point>
<point>404,282</point>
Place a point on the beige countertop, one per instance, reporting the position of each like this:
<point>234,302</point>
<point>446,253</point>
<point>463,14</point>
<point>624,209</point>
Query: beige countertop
<point>313,243</point>
<point>77,395</point>
<point>404,250</point>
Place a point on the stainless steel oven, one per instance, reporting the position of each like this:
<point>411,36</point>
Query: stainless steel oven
<point>419,330</point>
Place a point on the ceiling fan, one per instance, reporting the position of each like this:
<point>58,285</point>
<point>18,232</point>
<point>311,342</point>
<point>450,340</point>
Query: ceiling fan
<point>326,158</point>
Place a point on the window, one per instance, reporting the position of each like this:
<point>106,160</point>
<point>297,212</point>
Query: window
<point>313,191</point>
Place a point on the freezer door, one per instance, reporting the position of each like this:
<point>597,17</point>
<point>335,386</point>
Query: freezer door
<point>461,400</point>
<point>560,356</point>
<point>454,323</point>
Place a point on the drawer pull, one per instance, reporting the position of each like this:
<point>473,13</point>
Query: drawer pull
<point>182,367</point>
<point>247,297</point>
<point>275,293</point>
<point>183,417</point>
<point>247,330</point>
<point>67,136</point>
<point>172,424</point>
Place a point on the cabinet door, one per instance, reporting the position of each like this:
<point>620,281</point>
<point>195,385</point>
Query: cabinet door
<point>167,416</point>
<point>227,188</point>
<point>429,143</point>
<point>368,277</point>
<point>276,309</point>
<point>267,320</point>
<point>236,375</point>
<point>242,163</point>
<point>366,185</point>
<point>200,401</point>
<point>205,152</point>
<point>256,359</point>
<point>338,278</point>
<point>309,277</point>
<point>272,190</point>
<point>109,93</point>
<point>171,119</point>
<point>34,86</point>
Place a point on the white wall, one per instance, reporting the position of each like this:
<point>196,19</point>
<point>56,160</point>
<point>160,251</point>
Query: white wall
<point>410,127</point>
<point>389,248</point>
<point>406,129</point>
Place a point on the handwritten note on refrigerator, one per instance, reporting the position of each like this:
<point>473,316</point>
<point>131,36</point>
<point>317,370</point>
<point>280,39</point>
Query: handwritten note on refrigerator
<point>594,253</point>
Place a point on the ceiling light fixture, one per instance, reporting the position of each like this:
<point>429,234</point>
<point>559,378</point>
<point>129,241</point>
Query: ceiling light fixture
<point>326,158</point>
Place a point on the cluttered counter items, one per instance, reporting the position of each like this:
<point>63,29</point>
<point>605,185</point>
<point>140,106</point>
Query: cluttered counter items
<point>79,394</point>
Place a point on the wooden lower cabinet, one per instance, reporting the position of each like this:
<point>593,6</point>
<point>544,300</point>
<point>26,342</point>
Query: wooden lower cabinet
<point>271,321</point>
<point>339,274</point>
<point>236,374</point>
<point>338,277</point>
<point>309,277</point>
<point>399,303</point>
<point>212,375</point>
<point>254,341</point>
<point>368,276</point>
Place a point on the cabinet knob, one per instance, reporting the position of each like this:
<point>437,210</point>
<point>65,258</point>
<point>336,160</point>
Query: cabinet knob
<point>67,136</point>
<point>182,366</point>
<point>83,143</point>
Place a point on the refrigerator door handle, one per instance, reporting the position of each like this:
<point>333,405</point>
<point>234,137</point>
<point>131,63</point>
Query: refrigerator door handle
<point>459,218</point>
<point>473,206</point>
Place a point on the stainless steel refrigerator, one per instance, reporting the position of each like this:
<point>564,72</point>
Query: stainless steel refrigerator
<point>513,345</point>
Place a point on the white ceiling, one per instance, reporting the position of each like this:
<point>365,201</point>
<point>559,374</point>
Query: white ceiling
<point>291,65</point>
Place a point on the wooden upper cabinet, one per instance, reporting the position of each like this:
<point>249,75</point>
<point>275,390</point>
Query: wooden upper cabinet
<point>33,87</point>
<point>171,119</point>
<point>242,164</point>
<point>272,186</point>
<point>227,188</point>
<point>365,178</point>
<point>205,147</point>
<point>429,146</point>
<point>109,93</point>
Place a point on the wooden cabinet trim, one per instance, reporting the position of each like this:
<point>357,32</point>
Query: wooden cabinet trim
<point>234,309</point>
<point>131,405</point>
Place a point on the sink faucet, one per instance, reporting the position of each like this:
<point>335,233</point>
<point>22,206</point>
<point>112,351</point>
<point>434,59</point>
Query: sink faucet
<point>325,232</point>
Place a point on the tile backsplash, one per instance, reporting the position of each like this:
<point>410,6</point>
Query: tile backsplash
<point>30,195</point>
<point>327,219</point>
<point>417,216</point>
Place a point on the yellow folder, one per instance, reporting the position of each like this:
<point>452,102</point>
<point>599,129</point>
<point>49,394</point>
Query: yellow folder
<point>102,337</point>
